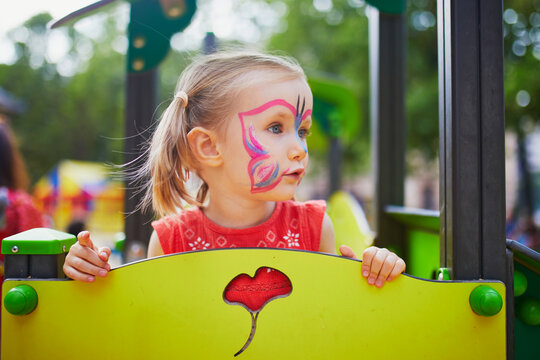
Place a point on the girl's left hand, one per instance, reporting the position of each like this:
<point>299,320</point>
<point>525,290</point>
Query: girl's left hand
<point>378,265</point>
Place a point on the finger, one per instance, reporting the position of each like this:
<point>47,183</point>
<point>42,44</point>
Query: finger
<point>75,274</point>
<point>84,239</point>
<point>104,253</point>
<point>386,269</point>
<point>347,252</point>
<point>399,267</point>
<point>367,258</point>
<point>376,265</point>
<point>86,267</point>
<point>87,254</point>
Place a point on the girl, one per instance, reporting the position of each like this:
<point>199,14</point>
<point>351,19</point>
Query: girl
<point>238,121</point>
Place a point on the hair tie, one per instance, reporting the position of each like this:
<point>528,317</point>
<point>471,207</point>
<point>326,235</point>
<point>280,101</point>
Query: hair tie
<point>183,96</point>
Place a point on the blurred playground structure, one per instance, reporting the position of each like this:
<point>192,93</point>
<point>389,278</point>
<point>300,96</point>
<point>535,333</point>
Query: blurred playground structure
<point>81,191</point>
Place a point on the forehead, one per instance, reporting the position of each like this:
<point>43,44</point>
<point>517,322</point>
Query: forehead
<point>266,89</point>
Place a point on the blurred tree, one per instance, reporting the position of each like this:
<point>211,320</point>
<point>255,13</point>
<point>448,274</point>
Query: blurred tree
<point>78,116</point>
<point>522,64</point>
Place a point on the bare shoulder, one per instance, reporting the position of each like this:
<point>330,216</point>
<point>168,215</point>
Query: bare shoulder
<point>154,246</point>
<point>328,241</point>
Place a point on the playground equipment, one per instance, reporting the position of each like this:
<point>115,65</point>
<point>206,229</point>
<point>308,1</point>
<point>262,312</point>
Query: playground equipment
<point>469,234</point>
<point>186,306</point>
<point>326,310</point>
<point>350,224</point>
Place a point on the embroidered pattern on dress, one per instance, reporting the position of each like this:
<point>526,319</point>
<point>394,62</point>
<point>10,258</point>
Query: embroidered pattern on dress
<point>221,241</point>
<point>292,239</point>
<point>199,244</point>
<point>270,236</point>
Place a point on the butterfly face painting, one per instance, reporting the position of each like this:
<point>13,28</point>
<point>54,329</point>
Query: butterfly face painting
<point>264,168</point>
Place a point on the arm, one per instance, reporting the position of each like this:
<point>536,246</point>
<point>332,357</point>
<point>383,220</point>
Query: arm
<point>328,241</point>
<point>154,246</point>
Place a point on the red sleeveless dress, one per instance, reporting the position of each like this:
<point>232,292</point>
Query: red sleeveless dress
<point>292,225</point>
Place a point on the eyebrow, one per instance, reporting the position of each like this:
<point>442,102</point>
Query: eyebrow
<point>307,120</point>
<point>283,114</point>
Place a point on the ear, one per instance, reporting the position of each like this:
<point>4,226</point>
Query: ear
<point>204,146</point>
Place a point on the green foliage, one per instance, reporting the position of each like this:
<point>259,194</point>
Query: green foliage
<point>78,117</point>
<point>522,64</point>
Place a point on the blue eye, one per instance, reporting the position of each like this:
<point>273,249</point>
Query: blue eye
<point>302,133</point>
<point>275,129</point>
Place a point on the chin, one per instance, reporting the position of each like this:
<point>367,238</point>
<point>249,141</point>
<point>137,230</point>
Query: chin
<point>277,195</point>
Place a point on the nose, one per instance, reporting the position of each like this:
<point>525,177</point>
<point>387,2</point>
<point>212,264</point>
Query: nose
<point>297,150</point>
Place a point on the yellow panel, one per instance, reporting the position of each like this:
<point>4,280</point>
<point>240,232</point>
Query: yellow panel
<point>172,307</point>
<point>350,223</point>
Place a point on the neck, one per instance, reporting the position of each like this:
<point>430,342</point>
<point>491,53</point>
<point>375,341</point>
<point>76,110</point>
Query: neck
<point>235,213</point>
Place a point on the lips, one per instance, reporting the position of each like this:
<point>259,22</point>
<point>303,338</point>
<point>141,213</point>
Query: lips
<point>295,174</point>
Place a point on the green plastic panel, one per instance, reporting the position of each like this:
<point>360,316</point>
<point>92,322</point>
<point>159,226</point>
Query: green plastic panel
<point>423,250</point>
<point>38,241</point>
<point>389,6</point>
<point>150,29</point>
<point>417,218</point>
<point>336,108</point>
<point>526,336</point>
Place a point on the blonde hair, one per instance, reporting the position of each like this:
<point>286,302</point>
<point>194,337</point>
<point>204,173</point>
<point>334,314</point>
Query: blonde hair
<point>211,84</point>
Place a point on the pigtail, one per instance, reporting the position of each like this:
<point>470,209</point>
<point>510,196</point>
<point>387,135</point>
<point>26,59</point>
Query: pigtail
<point>201,194</point>
<point>169,161</point>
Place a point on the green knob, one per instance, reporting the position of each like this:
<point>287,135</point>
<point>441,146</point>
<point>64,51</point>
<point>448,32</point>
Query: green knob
<point>21,300</point>
<point>520,283</point>
<point>528,311</point>
<point>443,274</point>
<point>485,301</point>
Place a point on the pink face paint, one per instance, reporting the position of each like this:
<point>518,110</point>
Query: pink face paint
<point>263,171</point>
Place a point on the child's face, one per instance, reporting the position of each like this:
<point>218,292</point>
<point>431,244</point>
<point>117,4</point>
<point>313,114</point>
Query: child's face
<point>265,150</point>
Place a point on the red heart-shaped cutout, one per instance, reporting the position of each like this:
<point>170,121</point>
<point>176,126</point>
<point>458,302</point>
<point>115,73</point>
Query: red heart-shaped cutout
<point>255,292</point>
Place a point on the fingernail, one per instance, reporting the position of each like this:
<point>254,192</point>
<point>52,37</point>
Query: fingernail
<point>379,283</point>
<point>103,254</point>
<point>90,278</point>
<point>371,281</point>
<point>365,274</point>
<point>102,273</point>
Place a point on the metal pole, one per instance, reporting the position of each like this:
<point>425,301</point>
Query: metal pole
<point>387,82</point>
<point>471,118</point>
<point>140,106</point>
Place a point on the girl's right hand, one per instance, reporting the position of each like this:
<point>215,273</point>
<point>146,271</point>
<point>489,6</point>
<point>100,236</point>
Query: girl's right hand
<point>85,261</point>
